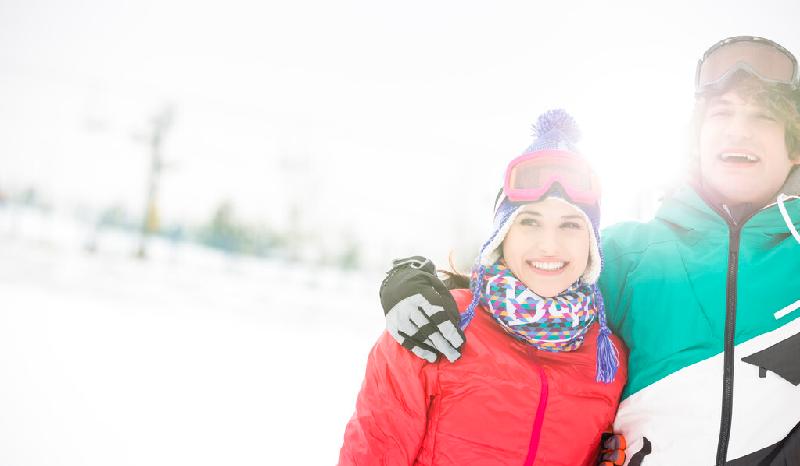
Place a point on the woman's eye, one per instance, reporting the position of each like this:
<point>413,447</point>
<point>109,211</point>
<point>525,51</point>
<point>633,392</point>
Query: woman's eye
<point>765,116</point>
<point>571,225</point>
<point>528,222</point>
<point>720,113</point>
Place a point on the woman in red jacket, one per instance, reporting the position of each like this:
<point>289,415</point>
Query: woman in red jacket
<point>540,377</point>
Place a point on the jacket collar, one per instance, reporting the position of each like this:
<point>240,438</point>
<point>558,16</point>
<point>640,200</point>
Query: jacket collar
<point>792,185</point>
<point>687,208</point>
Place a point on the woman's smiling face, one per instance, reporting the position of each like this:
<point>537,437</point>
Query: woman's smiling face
<point>547,246</point>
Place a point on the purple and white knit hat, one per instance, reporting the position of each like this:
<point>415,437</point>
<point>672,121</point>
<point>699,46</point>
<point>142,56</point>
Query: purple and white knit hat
<point>554,129</point>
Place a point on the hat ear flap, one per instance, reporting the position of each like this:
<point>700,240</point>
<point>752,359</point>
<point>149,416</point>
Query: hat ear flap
<point>593,267</point>
<point>493,249</point>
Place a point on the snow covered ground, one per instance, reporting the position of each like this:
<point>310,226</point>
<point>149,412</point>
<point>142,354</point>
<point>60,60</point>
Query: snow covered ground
<point>188,358</point>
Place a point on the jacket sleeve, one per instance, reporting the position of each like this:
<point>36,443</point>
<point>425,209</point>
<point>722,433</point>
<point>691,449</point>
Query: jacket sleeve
<point>389,424</point>
<point>619,258</point>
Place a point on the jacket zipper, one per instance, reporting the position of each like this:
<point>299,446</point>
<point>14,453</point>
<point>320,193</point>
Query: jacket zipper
<point>734,237</point>
<point>730,333</point>
<point>533,445</point>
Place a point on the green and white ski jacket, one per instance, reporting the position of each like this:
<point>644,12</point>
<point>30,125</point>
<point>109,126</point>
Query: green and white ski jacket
<point>710,312</point>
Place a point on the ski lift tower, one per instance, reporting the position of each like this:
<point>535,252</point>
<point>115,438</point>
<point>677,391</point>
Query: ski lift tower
<point>161,123</point>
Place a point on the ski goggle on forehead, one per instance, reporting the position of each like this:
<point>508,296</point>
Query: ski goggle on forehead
<point>530,176</point>
<point>763,58</point>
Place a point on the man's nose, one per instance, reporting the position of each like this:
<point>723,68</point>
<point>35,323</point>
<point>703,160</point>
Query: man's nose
<point>739,128</point>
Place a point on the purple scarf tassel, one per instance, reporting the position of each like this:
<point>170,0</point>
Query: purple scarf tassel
<point>607,353</point>
<point>475,287</point>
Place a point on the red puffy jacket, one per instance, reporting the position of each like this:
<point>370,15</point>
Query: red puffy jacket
<point>502,403</point>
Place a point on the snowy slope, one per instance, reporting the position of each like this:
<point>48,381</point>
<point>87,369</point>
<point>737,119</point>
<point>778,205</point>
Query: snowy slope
<point>187,358</point>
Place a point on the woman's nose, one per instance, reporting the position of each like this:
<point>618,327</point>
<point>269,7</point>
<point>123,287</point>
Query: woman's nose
<point>548,243</point>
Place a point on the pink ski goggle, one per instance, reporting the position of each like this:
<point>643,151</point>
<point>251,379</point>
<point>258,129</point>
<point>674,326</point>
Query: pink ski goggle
<point>530,176</point>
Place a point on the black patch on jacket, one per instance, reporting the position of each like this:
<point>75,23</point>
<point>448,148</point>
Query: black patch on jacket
<point>638,457</point>
<point>782,358</point>
<point>784,453</point>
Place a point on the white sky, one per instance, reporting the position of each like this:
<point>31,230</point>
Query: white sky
<point>390,116</point>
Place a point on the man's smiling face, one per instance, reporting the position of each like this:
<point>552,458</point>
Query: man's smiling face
<point>743,155</point>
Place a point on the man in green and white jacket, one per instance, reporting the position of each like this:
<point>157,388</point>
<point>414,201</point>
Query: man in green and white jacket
<point>707,294</point>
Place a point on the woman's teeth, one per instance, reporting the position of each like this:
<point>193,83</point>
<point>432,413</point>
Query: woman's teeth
<point>549,266</point>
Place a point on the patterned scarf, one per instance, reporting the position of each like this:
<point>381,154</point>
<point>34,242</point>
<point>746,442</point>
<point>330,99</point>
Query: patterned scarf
<point>550,324</point>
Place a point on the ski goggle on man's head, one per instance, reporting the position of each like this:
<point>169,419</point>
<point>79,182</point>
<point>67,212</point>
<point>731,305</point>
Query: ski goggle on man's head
<point>530,176</point>
<point>763,58</point>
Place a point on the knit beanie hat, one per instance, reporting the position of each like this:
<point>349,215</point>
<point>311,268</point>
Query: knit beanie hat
<point>554,130</point>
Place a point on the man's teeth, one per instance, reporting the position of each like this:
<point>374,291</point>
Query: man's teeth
<point>738,157</point>
<point>548,265</point>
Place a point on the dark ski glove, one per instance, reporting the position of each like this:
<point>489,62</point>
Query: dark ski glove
<point>421,314</point>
